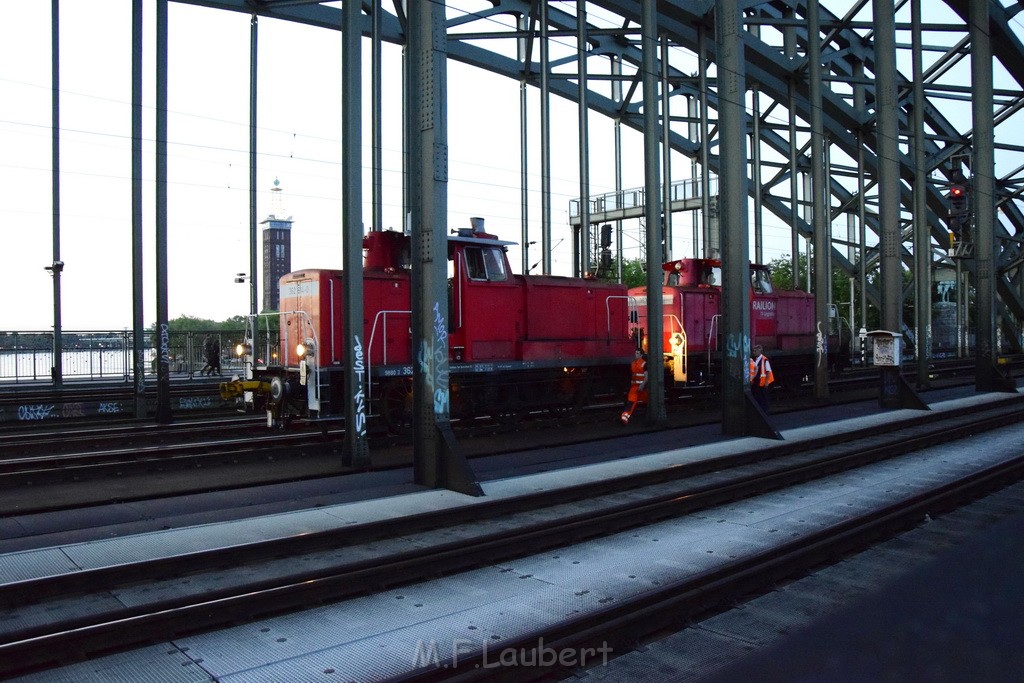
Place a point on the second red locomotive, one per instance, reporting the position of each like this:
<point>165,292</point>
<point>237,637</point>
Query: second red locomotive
<point>781,321</point>
<point>516,343</point>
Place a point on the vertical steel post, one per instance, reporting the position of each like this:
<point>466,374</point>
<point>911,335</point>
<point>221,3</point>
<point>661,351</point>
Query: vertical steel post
<point>741,415</point>
<point>893,386</point>
<point>138,320</point>
<point>524,145</point>
<point>809,218</point>
<point>755,172</point>
<point>820,194</point>
<point>377,111</point>
<point>922,235</point>
<point>755,161</point>
<point>57,369</point>
<point>886,106</point>
<point>163,362</point>
<point>356,449</point>
<point>545,142</point>
<point>705,152</point>
<point>666,152</point>
<point>254,244</point>
<point>652,211</point>
<point>616,69</point>
<point>789,40</point>
<point>691,114</point>
<point>983,198</point>
<point>436,461</point>
<point>584,135</point>
<point>862,238</point>
<point>859,99</point>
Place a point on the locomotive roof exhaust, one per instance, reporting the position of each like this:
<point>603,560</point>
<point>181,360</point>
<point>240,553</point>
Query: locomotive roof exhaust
<point>478,224</point>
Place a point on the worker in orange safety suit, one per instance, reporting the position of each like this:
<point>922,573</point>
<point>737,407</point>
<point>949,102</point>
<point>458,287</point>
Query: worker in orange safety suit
<point>761,376</point>
<point>638,392</point>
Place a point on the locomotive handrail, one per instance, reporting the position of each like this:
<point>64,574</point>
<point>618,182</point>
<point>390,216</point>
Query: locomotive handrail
<point>631,306</point>
<point>712,335</point>
<point>369,346</point>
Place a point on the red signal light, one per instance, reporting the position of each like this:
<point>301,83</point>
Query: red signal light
<point>956,191</point>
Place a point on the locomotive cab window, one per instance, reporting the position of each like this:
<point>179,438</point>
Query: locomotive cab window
<point>485,263</point>
<point>711,275</point>
<point>760,281</point>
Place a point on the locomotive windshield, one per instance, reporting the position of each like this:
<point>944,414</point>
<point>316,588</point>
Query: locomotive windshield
<point>761,281</point>
<point>485,263</point>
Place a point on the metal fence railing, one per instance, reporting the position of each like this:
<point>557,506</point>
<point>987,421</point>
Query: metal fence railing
<point>28,356</point>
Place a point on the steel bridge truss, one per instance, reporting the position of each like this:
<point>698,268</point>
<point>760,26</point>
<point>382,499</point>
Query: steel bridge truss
<point>818,90</point>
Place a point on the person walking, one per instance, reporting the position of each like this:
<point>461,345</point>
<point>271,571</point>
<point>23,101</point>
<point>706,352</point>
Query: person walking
<point>207,354</point>
<point>638,392</point>
<point>215,356</point>
<point>761,376</point>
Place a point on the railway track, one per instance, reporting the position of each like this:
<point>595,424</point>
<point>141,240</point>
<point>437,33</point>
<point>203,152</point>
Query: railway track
<point>49,619</point>
<point>96,463</point>
<point>35,406</point>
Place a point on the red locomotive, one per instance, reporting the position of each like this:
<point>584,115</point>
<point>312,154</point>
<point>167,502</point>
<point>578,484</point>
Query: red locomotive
<point>516,343</point>
<point>781,321</point>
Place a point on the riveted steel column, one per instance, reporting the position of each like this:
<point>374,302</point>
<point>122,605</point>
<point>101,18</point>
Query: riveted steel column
<point>584,134</point>
<point>163,367</point>
<point>545,142</point>
<point>691,114</point>
<point>819,203</point>
<point>356,450</point>
<point>254,248</point>
<point>983,198</point>
<point>705,172</point>
<point>652,209</point>
<point>789,39</point>
<point>524,144</point>
<point>377,111</point>
<point>886,106</point>
<point>436,461</point>
<point>138,298</point>
<point>859,99</point>
<point>893,385</point>
<point>666,153</point>
<point>57,369</point>
<point>616,70</point>
<point>755,172</point>
<point>755,161</point>
<point>922,235</point>
<point>740,414</point>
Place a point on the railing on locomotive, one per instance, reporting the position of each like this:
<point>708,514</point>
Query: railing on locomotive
<point>381,315</point>
<point>631,310</point>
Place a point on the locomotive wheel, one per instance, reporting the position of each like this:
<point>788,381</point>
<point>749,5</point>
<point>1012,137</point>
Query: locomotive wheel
<point>567,399</point>
<point>505,410</point>
<point>396,406</point>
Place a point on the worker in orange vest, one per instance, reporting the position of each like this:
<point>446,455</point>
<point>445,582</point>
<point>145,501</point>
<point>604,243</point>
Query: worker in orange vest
<point>761,376</point>
<point>637,386</point>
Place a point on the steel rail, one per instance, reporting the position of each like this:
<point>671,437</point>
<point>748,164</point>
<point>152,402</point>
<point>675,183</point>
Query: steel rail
<point>621,625</point>
<point>165,619</point>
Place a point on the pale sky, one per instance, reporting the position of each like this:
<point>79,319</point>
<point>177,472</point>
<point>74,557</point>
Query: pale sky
<point>299,142</point>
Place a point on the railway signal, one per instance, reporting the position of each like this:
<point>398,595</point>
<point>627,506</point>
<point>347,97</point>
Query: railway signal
<point>959,211</point>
